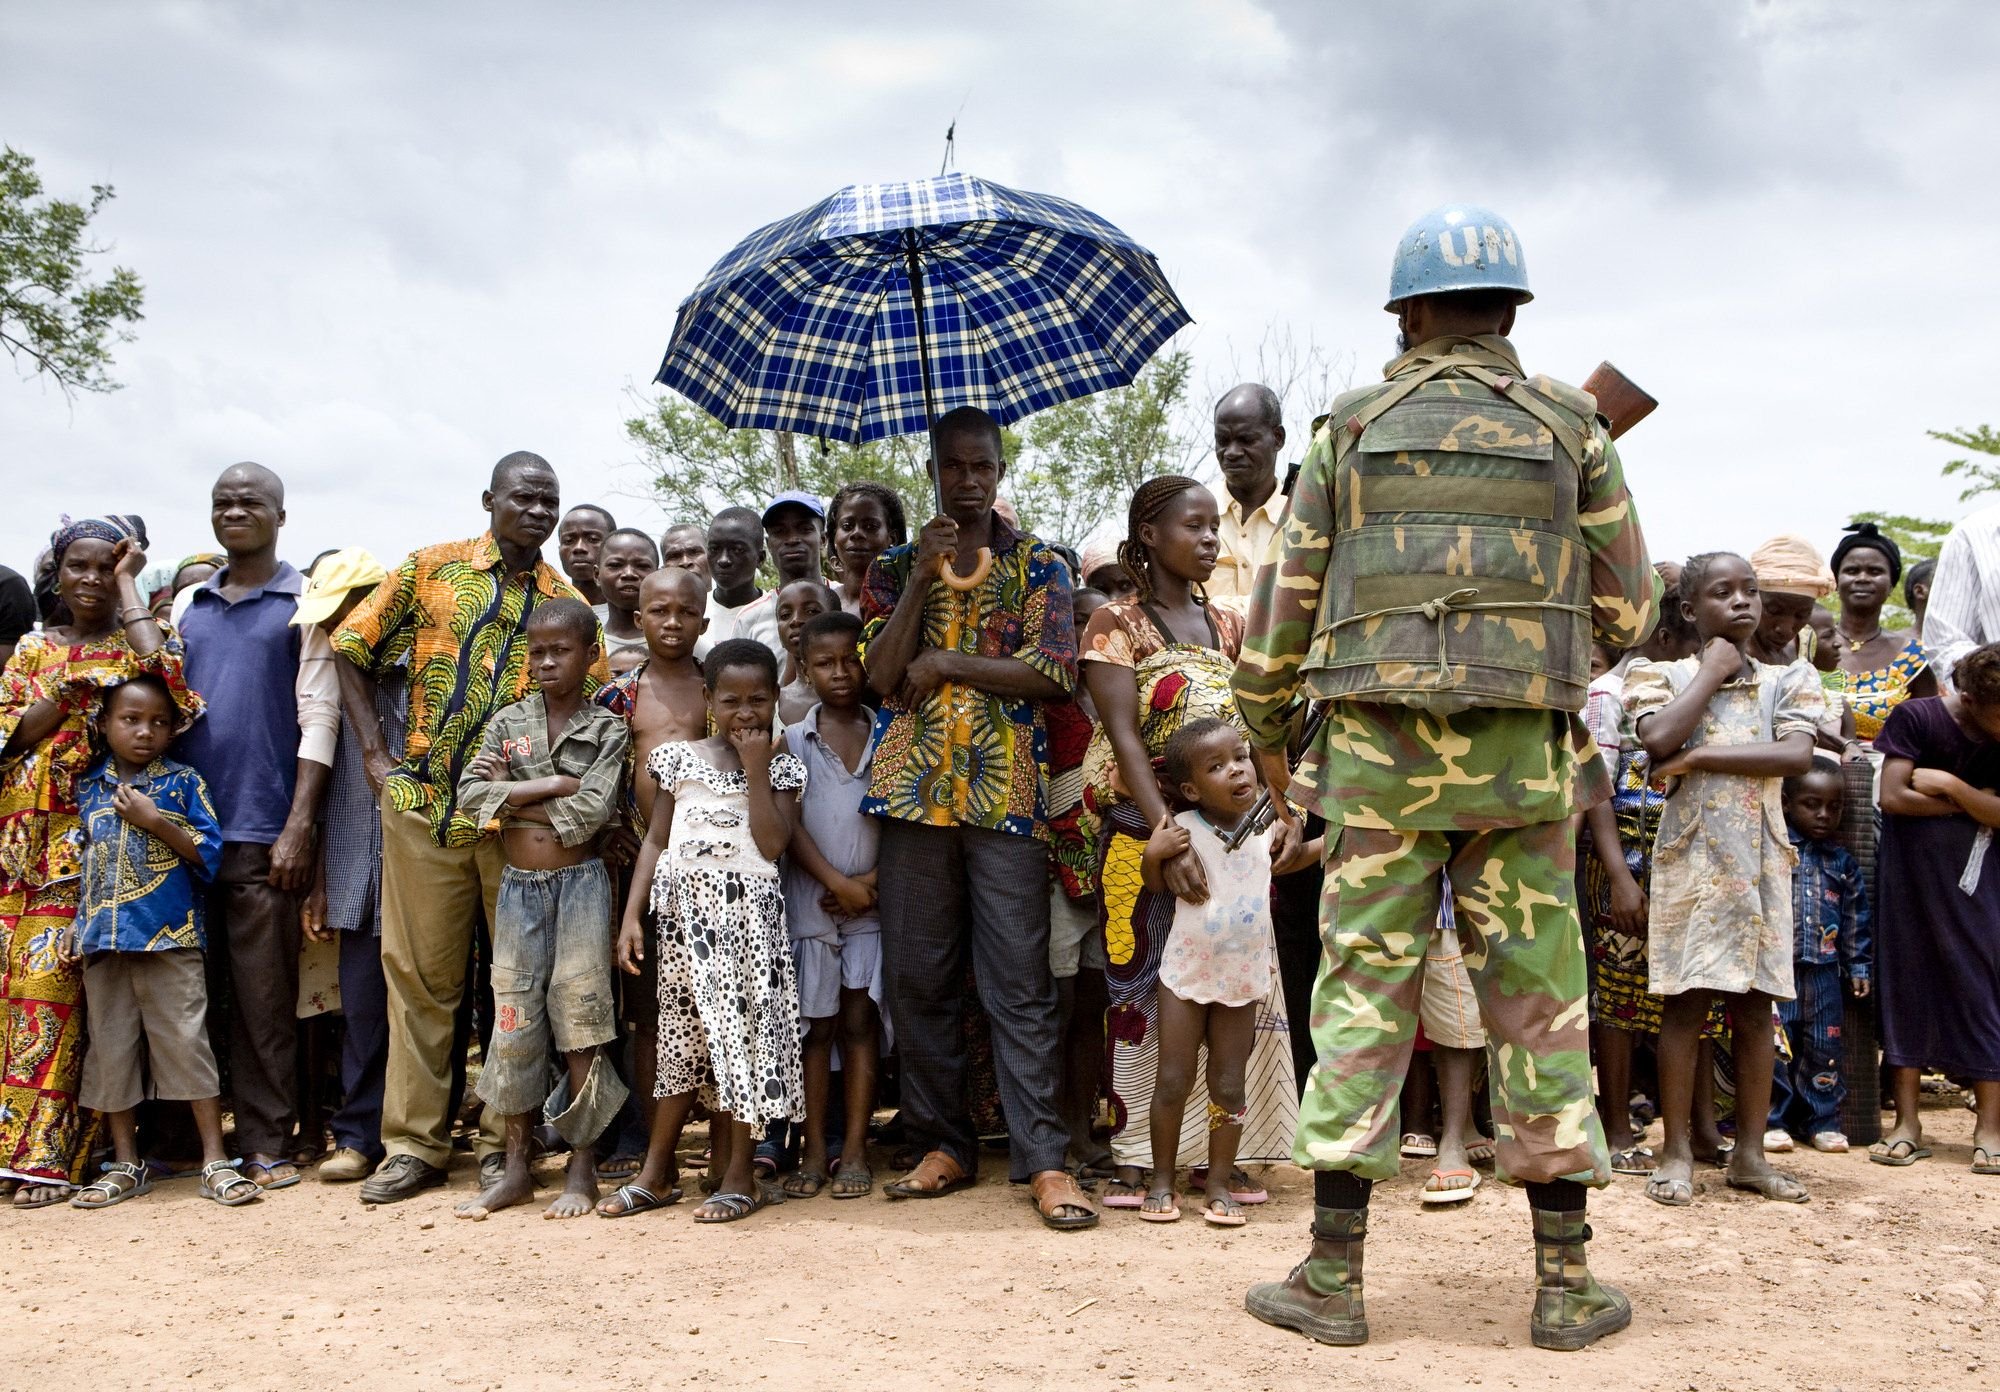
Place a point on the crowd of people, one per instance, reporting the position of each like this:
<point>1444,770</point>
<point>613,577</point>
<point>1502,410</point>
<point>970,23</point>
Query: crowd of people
<point>788,815</point>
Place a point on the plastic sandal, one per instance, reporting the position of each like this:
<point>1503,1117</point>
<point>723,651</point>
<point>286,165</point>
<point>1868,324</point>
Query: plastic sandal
<point>103,1193</point>
<point>635,1198</point>
<point>222,1182</point>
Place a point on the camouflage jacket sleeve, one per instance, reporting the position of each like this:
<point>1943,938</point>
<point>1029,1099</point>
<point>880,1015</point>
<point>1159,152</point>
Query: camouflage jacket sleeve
<point>1624,588</point>
<point>1285,602</point>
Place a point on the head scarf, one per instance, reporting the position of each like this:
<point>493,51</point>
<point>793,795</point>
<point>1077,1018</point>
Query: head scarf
<point>1866,534</point>
<point>207,558</point>
<point>114,528</point>
<point>1790,565</point>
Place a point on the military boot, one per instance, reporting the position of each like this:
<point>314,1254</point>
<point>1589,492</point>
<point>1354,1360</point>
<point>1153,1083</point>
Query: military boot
<point>1572,1310</point>
<point>1322,1296</point>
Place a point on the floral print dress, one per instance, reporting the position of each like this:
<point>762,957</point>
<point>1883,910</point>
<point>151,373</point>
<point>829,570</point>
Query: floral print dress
<point>1721,912</point>
<point>729,995</point>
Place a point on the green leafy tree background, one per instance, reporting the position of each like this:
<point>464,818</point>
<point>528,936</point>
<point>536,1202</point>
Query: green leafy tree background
<point>1070,469</point>
<point>55,319</point>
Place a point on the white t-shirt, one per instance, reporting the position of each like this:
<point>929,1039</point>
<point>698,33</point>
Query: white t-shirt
<point>758,619</point>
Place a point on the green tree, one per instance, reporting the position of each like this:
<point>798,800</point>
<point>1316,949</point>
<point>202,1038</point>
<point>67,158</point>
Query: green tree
<point>1071,468</point>
<point>1082,460</point>
<point>1981,476</point>
<point>54,317</point>
<point>700,465</point>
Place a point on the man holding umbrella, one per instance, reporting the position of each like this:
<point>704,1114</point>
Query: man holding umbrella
<point>1456,535</point>
<point>964,649</point>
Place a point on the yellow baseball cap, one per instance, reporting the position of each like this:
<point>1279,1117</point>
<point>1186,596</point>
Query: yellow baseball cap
<point>332,578</point>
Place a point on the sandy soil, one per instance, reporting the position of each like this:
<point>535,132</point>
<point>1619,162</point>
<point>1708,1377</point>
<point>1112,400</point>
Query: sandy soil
<point>1890,1278</point>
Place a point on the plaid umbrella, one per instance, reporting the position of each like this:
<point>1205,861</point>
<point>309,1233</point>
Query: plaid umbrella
<point>818,323</point>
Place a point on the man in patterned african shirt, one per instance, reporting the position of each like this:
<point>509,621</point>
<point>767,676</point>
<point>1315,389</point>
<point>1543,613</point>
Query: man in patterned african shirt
<point>458,615</point>
<point>964,664</point>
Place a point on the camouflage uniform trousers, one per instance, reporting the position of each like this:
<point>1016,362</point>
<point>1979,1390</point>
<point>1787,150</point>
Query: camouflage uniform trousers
<point>1514,890</point>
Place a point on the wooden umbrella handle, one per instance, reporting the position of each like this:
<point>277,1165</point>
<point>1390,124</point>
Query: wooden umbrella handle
<point>965,584</point>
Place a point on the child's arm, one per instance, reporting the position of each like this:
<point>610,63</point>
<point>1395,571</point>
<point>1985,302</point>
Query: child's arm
<point>142,812</point>
<point>1977,803</point>
<point>1665,730</point>
<point>580,813</point>
<point>770,810</point>
<point>631,930</point>
<point>483,788</point>
<point>1628,901</point>
<point>1169,839</point>
<point>854,897</point>
<point>1778,759</point>
<point>1901,797</point>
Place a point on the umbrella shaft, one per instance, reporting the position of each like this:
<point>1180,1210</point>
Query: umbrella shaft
<point>916,268</point>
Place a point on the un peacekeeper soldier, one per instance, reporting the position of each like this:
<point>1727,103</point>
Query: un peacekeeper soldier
<point>1456,533</point>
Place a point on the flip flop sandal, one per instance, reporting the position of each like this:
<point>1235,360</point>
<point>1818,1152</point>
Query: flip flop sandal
<point>1123,1195</point>
<point>1985,1161</point>
<point>734,1208</point>
<point>803,1185</point>
<point>1898,1153</point>
<point>1161,1215</point>
<point>285,1182</point>
<point>1637,1160</point>
<point>943,1174</point>
<point>619,1166</point>
<point>1251,1192</point>
<point>1482,1153</point>
<point>103,1193</point>
<point>1416,1146</point>
<point>853,1182</point>
<point>59,1194</point>
<point>636,1198</point>
<point>1674,1193</point>
<point>222,1182</point>
<point>1772,1187</point>
<point>1226,1212</point>
<point>1441,1195</point>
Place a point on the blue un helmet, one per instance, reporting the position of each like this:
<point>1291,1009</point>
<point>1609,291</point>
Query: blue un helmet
<point>1458,247</point>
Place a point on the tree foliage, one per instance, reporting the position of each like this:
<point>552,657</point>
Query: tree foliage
<point>1071,469</point>
<point>55,319</point>
<point>1980,476</point>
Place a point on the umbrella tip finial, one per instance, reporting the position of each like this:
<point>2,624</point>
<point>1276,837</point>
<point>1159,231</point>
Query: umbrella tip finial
<point>950,140</point>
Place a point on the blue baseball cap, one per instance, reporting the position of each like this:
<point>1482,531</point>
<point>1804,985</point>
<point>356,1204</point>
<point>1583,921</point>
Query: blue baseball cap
<point>809,501</point>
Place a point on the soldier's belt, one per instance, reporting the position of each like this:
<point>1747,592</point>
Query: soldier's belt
<point>1437,608</point>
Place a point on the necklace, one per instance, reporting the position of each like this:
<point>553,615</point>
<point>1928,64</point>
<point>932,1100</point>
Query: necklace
<point>1854,642</point>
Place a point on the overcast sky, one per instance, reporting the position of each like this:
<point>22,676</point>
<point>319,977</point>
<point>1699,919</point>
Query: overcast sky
<point>385,244</point>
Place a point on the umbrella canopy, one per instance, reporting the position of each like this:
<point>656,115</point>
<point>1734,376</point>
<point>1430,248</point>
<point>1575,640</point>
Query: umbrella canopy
<point>810,324</point>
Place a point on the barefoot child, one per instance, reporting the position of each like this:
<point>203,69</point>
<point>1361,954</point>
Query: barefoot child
<point>661,700</point>
<point>149,834</point>
<point>1219,961</point>
<point>829,877</point>
<point>729,1000</point>
<point>1728,730</point>
<point>798,604</point>
<point>548,774</point>
<point>1833,953</point>
<point>1938,887</point>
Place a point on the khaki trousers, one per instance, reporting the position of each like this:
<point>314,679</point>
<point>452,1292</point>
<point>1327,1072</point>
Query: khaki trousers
<point>431,896</point>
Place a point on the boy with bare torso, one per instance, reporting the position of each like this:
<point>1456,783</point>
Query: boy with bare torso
<point>549,775</point>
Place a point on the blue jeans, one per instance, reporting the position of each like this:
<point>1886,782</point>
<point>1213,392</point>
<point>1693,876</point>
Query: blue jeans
<point>551,979</point>
<point>1806,1094</point>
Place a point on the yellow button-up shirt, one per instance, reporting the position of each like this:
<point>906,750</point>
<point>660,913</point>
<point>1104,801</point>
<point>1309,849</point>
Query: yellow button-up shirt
<point>1248,541</point>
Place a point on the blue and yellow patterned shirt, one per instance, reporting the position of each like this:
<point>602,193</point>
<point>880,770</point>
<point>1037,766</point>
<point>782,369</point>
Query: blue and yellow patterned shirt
<point>138,894</point>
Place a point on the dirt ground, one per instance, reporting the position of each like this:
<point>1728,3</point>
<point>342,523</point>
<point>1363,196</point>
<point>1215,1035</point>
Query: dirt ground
<point>1889,1278</point>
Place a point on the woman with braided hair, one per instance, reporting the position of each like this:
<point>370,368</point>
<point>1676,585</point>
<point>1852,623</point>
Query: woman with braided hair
<point>1152,664</point>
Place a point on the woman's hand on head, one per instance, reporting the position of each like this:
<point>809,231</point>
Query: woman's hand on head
<point>128,559</point>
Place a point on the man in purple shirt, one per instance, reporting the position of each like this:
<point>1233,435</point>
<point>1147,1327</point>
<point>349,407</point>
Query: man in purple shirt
<point>265,747</point>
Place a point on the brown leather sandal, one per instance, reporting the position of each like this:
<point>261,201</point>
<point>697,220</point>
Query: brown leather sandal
<point>1056,1190</point>
<point>936,1175</point>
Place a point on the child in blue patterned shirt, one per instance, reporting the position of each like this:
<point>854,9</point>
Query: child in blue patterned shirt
<point>1833,946</point>
<point>149,834</point>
